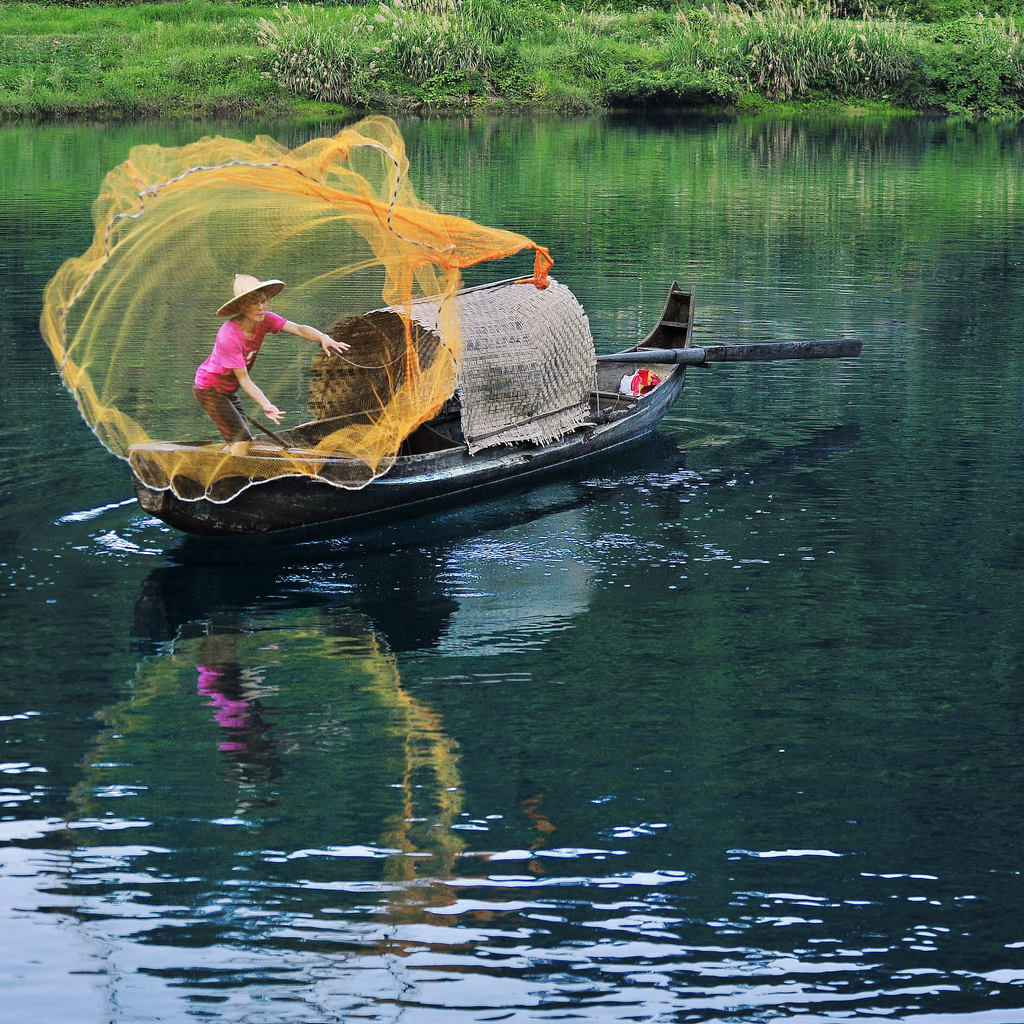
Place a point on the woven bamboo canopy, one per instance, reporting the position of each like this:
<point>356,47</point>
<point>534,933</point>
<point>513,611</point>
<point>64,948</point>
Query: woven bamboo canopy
<point>526,372</point>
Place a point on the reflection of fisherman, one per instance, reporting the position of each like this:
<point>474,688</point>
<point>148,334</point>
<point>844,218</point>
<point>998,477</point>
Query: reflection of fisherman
<point>239,340</point>
<point>233,692</point>
<point>222,685</point>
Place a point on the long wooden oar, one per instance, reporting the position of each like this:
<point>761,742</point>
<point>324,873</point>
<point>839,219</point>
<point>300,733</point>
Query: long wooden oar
<point>259,426</point>
<point>695,355</point>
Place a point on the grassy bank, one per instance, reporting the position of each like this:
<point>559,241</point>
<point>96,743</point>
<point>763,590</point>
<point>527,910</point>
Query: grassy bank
<point>198,58</point>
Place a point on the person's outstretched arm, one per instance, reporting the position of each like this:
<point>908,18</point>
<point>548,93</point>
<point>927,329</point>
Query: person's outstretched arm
<point>246,383</point>
<point>325,341</point>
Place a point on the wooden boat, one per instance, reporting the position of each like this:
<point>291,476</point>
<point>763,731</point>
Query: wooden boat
<point>435,464</point>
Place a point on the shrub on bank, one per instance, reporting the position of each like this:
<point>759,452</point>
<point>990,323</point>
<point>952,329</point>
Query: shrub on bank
<point>977,66</point>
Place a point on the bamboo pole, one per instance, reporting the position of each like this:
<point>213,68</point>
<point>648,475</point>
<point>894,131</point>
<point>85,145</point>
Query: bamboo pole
<point>696,355</point>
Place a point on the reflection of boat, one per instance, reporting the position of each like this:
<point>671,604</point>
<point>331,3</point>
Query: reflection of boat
<point>495,576</point>
<point>440,461</point>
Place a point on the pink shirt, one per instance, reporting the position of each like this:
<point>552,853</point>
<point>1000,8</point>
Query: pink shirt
<point>232,351</point>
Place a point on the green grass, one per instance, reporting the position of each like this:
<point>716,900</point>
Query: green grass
<point>193,57</point>
<point>175,58</point>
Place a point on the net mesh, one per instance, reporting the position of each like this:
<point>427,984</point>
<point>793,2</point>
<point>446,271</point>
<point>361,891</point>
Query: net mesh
<point>337,219</point>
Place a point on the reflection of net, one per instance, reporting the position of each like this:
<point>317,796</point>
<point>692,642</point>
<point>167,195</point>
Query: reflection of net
<point>336,218</point>
<point>277,710</point>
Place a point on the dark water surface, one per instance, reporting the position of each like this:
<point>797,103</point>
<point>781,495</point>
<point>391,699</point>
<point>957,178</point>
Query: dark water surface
<point>729,729</point>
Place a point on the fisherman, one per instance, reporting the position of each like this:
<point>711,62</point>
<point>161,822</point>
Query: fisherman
<point>226,370</point>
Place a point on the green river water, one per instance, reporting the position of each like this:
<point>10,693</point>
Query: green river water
<point>730,728</point>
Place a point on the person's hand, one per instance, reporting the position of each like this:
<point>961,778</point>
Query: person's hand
<point>329,345</point>
<point>273,413</point>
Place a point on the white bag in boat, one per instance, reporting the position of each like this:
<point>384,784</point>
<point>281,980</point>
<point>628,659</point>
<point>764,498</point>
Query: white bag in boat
<point>639,383</point>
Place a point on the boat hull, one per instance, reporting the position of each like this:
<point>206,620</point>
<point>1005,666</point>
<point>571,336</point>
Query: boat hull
<point>447,473</point>
<point>412,484</point>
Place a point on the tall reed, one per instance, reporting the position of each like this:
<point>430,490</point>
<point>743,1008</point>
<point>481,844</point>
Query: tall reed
<point>320,54</point>
<point>785,52</point>
<point>312,58</point>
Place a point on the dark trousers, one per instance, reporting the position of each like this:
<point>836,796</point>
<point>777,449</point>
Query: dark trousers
<point>226,413</point>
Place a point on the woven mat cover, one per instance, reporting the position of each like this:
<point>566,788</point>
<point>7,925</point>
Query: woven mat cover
<point>528,367</point>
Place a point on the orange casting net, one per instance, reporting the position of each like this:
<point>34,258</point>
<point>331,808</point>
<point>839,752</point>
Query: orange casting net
<point>129,321</point>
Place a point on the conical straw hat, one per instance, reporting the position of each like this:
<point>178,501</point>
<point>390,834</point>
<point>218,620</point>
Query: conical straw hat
<point>244,286</point>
